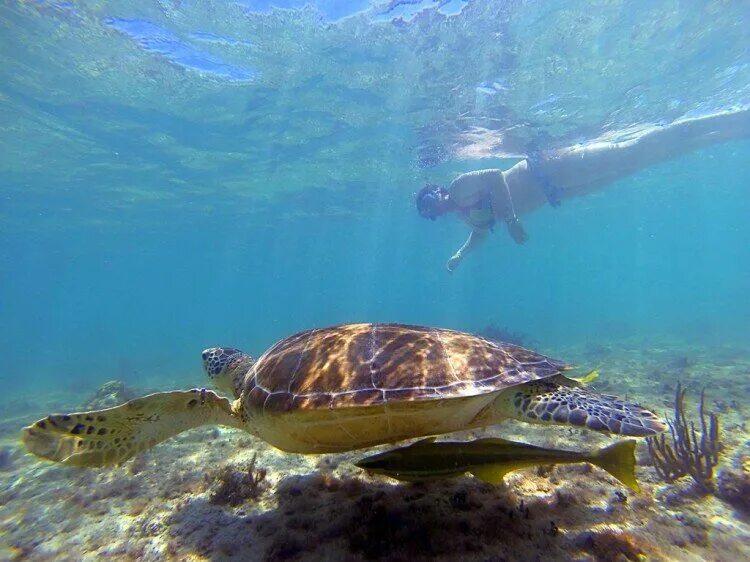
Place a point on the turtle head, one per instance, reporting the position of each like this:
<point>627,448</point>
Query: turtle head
<point>227,367</point>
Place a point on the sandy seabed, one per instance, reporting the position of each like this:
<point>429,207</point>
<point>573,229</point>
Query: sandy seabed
<point>186,498</point>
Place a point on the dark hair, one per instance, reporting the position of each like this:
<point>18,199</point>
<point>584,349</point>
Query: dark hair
<point>429,199</point>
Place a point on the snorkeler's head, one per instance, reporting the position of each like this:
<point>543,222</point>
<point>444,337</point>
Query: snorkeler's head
<point>432,201</point>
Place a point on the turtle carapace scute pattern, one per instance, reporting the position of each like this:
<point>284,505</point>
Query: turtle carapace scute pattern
<point>370,364</point>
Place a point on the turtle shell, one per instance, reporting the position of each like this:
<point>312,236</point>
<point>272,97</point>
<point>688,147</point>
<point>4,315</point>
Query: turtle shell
<point>359,365</point>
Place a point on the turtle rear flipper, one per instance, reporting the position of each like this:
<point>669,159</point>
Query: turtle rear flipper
<point>547,402</point>
<point>112,436</point>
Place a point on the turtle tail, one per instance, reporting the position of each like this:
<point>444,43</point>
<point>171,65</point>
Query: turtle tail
<point>547,402</point>
<point>112,436</point>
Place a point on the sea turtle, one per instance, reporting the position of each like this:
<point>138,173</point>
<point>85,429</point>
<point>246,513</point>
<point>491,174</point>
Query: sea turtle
<point>343,388</point>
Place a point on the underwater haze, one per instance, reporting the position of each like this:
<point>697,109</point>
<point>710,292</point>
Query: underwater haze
<point>177,175</point>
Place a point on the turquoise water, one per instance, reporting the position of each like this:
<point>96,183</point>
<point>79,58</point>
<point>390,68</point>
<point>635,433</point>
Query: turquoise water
<point>178,175</point>
<point>655,254</point>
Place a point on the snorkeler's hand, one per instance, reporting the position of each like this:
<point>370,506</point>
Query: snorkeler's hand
<point>516,231</point>
<point>453,262</point>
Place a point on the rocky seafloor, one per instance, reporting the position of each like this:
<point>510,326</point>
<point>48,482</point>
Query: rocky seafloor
<point>220,494</point>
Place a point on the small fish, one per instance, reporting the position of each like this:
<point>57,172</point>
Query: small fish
<point>491,459</point>
<point>589,377</point>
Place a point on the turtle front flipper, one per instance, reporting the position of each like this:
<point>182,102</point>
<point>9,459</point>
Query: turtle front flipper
<point>112,436</point>
<point>547,402</point>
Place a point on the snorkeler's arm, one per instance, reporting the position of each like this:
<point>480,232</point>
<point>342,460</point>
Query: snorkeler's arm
<point>475,238</point>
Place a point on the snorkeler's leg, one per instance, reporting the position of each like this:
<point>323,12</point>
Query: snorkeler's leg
<point>581,169</point>
<point>697,132</point>
<point>664,142</point>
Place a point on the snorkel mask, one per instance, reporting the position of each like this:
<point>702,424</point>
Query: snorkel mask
<point>430,201</point>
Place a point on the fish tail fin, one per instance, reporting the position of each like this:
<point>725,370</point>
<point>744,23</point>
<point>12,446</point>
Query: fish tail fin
<point>619,461</point>
<point>491,474</point>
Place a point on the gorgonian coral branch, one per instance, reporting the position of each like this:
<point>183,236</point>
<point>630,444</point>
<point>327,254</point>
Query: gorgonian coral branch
<point>690,452</point>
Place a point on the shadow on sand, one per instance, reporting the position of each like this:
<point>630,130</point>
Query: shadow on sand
<point>319,516</point>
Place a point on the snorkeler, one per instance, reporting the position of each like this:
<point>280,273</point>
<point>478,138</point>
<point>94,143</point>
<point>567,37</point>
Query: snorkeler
<point>485,198</point>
